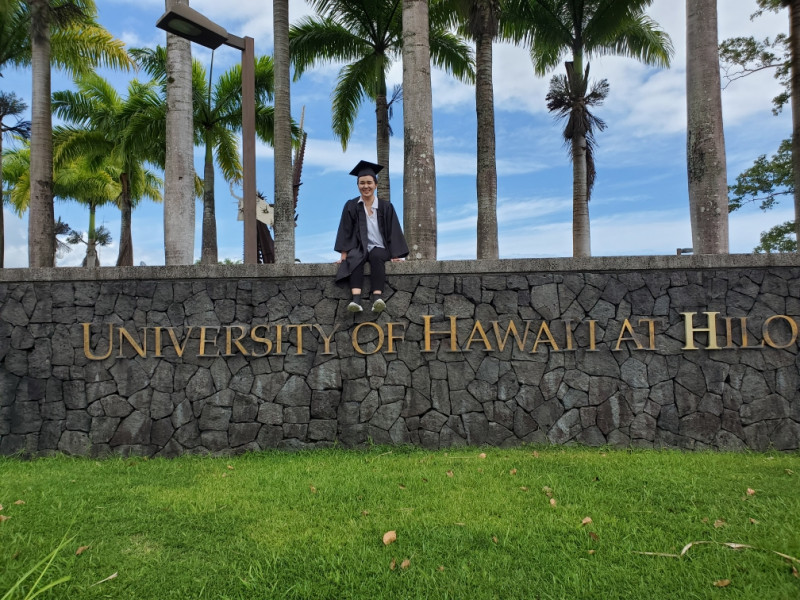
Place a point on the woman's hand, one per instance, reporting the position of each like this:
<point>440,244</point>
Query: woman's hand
<point>398,259</point>
<point>341,259</point>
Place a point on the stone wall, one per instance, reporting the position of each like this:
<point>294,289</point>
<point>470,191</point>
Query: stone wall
<point>617,352</point>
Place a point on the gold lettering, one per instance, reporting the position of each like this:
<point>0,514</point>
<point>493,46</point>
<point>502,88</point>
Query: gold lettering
<point>299,329</point>
<point>355,337</point>
<point>745,339</point>
<point>729,332</point>
<point>651,330</point>
<point>511,330</point>
<point>626,326</point>
<point>544,329</point>
<point>211,342</point>
<point>230,341</point>
<point>86,338</point>
<point>768,337</point>
<point>478,328</point>
<point>278,340</point>
<point>327,339</point>
<point>688,318</point>
<point>261,340</point>
<point>391,337</point>
<point>568,333</point>
<point>452,333</point>
<point>157,340</point>
<point>179,350</point>
<point>140,350</point>
<point>592,336</point>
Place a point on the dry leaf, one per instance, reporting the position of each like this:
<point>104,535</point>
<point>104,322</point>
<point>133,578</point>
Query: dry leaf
<point>81,550</point>
<point>552,502</point>
<point>705,520</point>
<point>224,474</point>
<point>586,521</point>
<point>753,521</point>
<point>1,507</point>
<point>393,564</point>
<point>789,472</point>
<point>535,454</point>
<point>405,564</point>
<point>494,539</point>
<point>109,578</point>
<point>449,473</point>
<point>513,472</point>
<point>603,454</point>
<point>389,537</point>
<point>482,455</point>
<point>230,467</point>
<point>547,490</point>
<point>591,551</point>
<point>751,492</point>
<point>722,583</point>
<point>594,536</point>
<point>19,502</point>
<point>313,489</point>
<point>441,568</point>
<point>524,488</point>
<point>460,524</point>
<point>795,571</point>
<point>401,486</point>
<point>719,523</point>
<point>4,518</point>
<point>425,479</point>
<point>364,513</point>
<point>480,470</point>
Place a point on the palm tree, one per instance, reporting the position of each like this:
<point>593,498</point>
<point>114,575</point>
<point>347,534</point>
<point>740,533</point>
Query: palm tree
<point>102,126</point>
<point>179,189</point>
<point>217,119</point>
<point>65,33</point>
<point>554,29</point>
<point>284,200</point>
<point>368,35</point>
<point>479,19</point>
<point>705,142</point>
<point>10,106</point>
<point>794,43</point>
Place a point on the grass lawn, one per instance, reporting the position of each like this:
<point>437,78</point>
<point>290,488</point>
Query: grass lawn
<point>512,524</point>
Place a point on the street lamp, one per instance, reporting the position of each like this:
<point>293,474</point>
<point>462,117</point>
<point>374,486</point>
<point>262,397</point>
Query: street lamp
<point>189,24</point>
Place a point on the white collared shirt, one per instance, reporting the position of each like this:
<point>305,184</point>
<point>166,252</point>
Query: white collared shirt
<point>374,237</point>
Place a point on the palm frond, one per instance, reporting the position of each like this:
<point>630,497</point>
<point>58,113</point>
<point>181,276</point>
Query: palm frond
<point>348,95</point>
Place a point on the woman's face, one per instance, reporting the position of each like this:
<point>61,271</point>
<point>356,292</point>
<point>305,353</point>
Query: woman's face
<point>366,185</point>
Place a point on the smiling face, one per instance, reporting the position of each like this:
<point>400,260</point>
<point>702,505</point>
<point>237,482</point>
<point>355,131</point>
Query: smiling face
<point>367,185</point>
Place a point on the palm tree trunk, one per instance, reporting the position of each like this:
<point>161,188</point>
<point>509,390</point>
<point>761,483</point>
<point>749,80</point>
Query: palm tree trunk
<point>794,40</point>
<point>382,140</point>
<point>581,230</point>
<point>2,216</point>
<point>91,244</point>
<point>125,257</point>
<point>487,159</point>
<point>41,218</point>
<point>284,201</point>
<point>705,143</point>
<point>208,253</point>
<point>419,179</point>
<point>179,167</point>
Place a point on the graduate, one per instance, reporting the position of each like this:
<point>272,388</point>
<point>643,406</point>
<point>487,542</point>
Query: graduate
<point>369,231</point>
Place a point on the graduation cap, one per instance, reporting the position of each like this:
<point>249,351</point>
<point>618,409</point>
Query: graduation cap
<point>366,168</point>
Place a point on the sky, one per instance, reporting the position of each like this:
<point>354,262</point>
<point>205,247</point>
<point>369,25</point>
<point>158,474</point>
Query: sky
<point>640,201</point>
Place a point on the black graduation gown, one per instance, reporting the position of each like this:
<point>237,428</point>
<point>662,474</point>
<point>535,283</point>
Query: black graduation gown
<point>352,235</point>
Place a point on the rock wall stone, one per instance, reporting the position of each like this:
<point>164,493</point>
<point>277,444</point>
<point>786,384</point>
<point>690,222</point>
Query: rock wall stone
<point>604,360</point>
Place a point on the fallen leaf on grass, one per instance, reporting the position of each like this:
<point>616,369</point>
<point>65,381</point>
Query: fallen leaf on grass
<point>460,524</point>
<point>224,474</point>
<point>704,519</point>
<point>450,473</point>
<point>1,507</point>
<point>482,455</point>
<point>512,472</point>
<point>535,454</point>
<point>586,521</point>
<point>732,545</point>
<point>552,502</point>
<point>389,537</point>
<point>441,568</point>
<point>594,536</point>
<point>401,486</point>
<point>795,572</point>
<point>753,521</point>
<point>19,502</point>
<point>109,578</point>
<point>719,523</point>
<point>751,492</point>
<point>494,539</point>
<point>4,518</point>
<point>789,472</point>
<point>524,488</point>
<point>547,491</point>
<point>425,479</point>
<point>81,550</point>
<point>591,551</point>
<point>364,513</point>
<point>313,489</point>
<point>405,564</point>
<point>393,564</point>
<point>722,583</point>
<point>230,467</point>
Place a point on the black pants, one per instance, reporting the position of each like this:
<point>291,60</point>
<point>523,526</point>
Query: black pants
<point>377,258</point>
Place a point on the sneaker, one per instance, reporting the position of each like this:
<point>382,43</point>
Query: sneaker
<point>354,307</point>
<point>378,305</point>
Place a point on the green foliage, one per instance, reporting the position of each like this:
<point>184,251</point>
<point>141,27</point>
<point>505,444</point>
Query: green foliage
<point>310,524</point>
<point>765,181</point>
<point>743,56</point>
<point>780,238</point>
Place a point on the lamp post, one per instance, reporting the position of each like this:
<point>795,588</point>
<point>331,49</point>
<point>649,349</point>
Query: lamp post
<point>189,24</point>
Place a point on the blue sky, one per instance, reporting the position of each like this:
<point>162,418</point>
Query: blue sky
<point>640,201</point>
